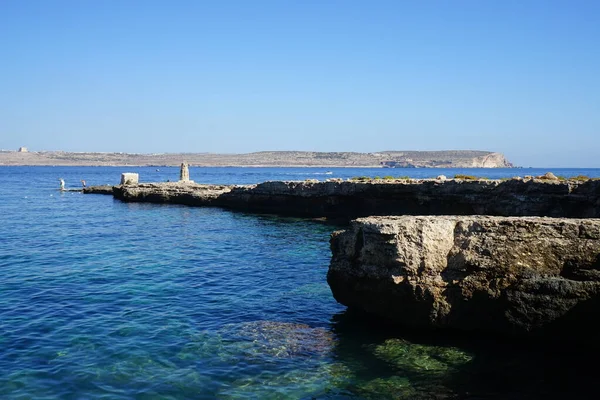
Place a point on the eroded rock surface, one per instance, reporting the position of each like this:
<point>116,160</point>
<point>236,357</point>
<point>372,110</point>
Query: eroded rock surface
<point>280,339</point>
<point>348,200</point>
<point>509,275</point>
<point>101,189</point>
<point>171,192</point>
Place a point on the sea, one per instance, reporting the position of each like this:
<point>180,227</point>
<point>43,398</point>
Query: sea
<point>101,299</point>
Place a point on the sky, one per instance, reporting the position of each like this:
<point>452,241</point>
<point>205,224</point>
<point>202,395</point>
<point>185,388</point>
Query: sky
<point>518,77</point>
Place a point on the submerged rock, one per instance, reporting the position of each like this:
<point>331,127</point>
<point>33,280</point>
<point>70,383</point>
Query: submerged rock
<point>411,357</point>
<point>280,339</point>
<point>510,275</point>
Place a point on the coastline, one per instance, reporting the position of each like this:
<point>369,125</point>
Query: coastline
<point>275,159</point>
<point>445,253</point>
<point>219,166</point>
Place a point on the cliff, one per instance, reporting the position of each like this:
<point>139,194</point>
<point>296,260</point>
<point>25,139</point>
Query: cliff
<point>516,276</point>
<point>445,159</point>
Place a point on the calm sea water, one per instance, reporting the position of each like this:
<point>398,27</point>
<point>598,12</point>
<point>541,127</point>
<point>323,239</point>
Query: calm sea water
<point>103,299</point>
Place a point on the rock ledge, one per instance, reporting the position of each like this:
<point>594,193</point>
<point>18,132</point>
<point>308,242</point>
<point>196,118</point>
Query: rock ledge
<point>507,275</point>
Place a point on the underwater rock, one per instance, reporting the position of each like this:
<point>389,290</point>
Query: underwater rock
<point>281,339</point>
<point>411,357</point>
<point>508,275</point>
<point>318,381</point>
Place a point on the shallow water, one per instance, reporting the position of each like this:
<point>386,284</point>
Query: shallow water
<point>103,299</point>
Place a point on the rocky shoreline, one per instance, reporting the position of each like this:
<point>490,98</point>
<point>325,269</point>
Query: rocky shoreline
<point>347,200</point>
<point>511,257</point>
<point>503,275</point>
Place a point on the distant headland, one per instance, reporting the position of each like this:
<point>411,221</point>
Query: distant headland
<point>385,159</point>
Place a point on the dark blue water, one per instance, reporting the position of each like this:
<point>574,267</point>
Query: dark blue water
<point>103,299</point>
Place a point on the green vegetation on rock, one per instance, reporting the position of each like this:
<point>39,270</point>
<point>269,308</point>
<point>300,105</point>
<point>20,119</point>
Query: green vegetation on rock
<point>580,178</point>
<point>412,357</point>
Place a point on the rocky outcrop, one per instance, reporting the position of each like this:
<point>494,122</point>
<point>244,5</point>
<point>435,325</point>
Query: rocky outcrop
<point>187,193</point>
<point>503,275</point>
<point>444,159</point>
<point>101,189</point>
<point>492,160</point>
<point>347,200</point>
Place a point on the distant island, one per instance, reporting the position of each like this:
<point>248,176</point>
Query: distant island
<point>384,159</point>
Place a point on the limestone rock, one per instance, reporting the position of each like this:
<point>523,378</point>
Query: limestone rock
<point>188,193</point>
<point>280,339</point>
<point>184,173</point>
<point>101,189</point>
<point>349,200</point>
<point>508,275</point>
<point>129,178</point>
<point>548,176</point>
<point>441,178</point>
<point>492,160</point>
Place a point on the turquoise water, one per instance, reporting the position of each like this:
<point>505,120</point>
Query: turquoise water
<point>103,299</point>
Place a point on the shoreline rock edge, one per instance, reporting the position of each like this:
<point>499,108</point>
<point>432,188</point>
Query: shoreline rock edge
<point>532,276</point>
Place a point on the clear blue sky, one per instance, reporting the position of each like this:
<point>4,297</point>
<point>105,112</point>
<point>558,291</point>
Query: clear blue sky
<point>520,77</point>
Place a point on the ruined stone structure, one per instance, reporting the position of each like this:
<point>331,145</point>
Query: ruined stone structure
<point>129,178</point>
<point>184,173</point>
